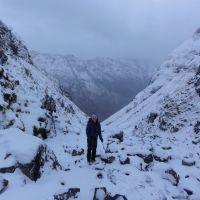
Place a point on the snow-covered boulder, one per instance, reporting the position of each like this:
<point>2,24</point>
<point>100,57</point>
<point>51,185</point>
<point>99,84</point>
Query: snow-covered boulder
<point>28,153</point>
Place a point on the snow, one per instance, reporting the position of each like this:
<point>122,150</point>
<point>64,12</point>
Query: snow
<point>152,147</point>
<point>21,146</point>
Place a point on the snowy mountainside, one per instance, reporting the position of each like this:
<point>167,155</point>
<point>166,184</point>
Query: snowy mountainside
<point>100,85</point>
<point>161,128</point>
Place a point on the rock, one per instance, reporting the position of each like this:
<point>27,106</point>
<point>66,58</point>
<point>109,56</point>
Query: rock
<point>147,158</point>
<point>49,103</point>
<point>30,158</point>
<point>119,136</point>
<point>188,163</point>
<point>108,159</point>
<point>78,152</point>
<point>3,184</point>
<point>189,192</point>
<point>124,161</point>
<point>159,159</point>
<point>43,132</point>
<point>166,148</point>
<point>174,175</point>
<point>3,58</point>
<point>152,117</point>
<point>197,127</point>
<point>72,193</point>
<point>102,194</point>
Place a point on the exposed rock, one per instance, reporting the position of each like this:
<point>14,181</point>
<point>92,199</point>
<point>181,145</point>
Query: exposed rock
<point>124,161</point>
<point>3,58</point>
<point>159,159</point>
<point>10,98</point>
<point>102,194</point>
<point>166,148</point>
<point>72,193</point>
<point>188,163</point>
<point>174,175</point>
<point>189,192</point>
<point>8,169</point>
<point>147,158</point>
<point>152,117</point>
<point>108,159</point>
<point>119,136</point>
<point>3,184</point>
<point>49,103</point>
<point>33,165</point>
<point>43,132</point>
<point>197,127</point>
<point>77,152</point>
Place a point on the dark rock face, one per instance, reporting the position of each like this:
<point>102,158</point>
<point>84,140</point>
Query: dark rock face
<point>119,136</point>
<point>3,184</point>
<point>72,193</point>
<point>108,159</point>
<point>152,117</point>
<point>34,169</point>
<point>102,194</point>
<point>174,175</point>
<point>78,152</point>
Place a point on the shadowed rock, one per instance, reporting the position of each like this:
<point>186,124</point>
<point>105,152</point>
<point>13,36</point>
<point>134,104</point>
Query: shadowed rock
<point>72,193</point>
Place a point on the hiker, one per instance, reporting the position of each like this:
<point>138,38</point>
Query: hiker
<point>93,131</point>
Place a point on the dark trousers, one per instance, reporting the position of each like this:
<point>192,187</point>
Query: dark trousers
<point>92,146</point>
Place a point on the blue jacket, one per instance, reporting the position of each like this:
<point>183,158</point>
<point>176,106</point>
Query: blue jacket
<point>93,130</point>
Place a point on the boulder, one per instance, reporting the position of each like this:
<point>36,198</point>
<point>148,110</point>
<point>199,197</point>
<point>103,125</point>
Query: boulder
<point>102,194</point>
<point>107,158</point>
<point>124,161</point>
<point>175,176</point>
<point>188,163</point>
<point>72,193</point>
<point>77,152</point>
<point>3,184</point>
<point>147,158</point>
<point>119,136</point>
<point>25,152</point>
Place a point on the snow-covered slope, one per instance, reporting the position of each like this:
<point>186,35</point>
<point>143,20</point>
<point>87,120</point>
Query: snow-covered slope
<point>101,85</point>
<point>161,129</point>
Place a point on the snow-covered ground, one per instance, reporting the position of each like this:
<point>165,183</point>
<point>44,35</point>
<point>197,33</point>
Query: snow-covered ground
<point>151,148</point>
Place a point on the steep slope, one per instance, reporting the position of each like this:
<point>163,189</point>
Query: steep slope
<point>31,105</point>
<point>161,129</point>
<point>101,85</point>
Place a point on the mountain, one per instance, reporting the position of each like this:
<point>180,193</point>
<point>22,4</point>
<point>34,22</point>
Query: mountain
<point>151,146</point>
<point>161,129</point>
<point>100,85</point>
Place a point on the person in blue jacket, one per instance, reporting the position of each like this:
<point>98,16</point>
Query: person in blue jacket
<point>93,131</point>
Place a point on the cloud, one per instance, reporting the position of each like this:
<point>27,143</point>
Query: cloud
<point>144,29</point>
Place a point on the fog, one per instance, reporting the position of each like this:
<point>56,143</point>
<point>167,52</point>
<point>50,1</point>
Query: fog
<point>142,29</point>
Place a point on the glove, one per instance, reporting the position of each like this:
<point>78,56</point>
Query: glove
<point>101,140</point>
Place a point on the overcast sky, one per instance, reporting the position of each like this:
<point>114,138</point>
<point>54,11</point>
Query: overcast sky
<point>147,29</point>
